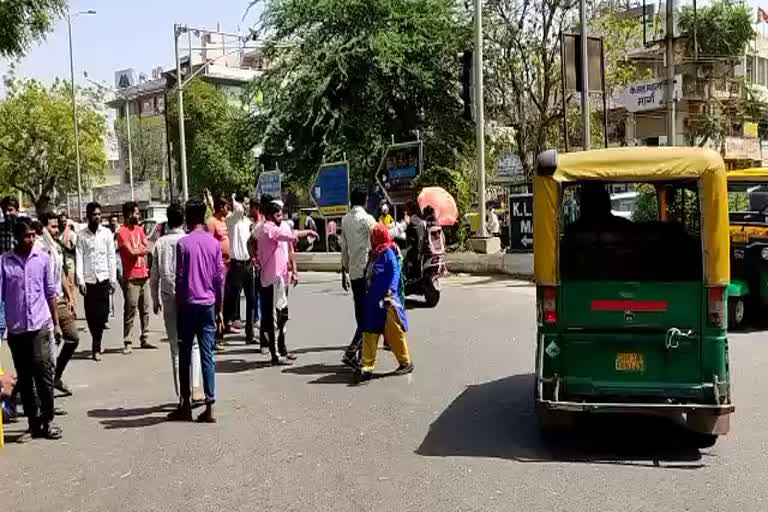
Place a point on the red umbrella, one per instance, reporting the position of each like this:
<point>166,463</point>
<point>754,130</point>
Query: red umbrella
<point>446,211</point>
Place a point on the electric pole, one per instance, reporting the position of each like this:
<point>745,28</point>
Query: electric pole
<point>670,41</point>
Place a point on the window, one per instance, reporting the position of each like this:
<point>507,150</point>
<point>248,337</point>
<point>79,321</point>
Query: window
<point>625,237</point>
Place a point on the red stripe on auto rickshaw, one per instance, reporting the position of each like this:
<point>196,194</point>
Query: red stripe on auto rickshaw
<point>629,305</point>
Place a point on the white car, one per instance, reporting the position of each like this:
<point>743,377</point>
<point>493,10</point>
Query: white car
<point>623,204</point>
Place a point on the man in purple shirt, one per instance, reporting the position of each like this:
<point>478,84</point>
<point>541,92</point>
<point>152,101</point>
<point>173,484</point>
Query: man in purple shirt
<point>199,294</point>
<point>28,288</point>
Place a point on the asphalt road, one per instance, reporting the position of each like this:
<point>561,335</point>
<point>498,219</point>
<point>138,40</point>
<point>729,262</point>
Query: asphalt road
<point>457,434</point>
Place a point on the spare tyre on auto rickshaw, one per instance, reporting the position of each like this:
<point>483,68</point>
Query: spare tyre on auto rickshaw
<point>748,212</point>
<point>632,312</point>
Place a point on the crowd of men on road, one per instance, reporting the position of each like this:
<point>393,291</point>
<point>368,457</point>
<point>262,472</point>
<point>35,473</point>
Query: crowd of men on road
<point>198,270</point>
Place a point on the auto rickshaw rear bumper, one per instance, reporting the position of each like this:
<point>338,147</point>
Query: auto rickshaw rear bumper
<point>629,407</point>
<point>702,418</point>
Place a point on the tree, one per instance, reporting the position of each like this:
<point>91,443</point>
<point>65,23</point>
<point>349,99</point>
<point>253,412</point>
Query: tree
<point>37,145</point>
<point>523,69</point>
<point>147,146</point>
<point>25,21</point>
<point>724,29</point>
<point>346,77</point>
<point>217,155</point>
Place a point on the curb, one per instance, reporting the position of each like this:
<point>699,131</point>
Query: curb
<point>517,265</point>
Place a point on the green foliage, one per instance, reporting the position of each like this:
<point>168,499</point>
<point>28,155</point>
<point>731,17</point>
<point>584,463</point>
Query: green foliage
<point>455,184</point>
<point>647,205</point>
<point>147,146</point>
<point>345,77</point>
<point>738,201</point>
<point>217,158</point>
<point>619,34</point>
<point>522,70</point>
<point>25,21</point>
<point>723,28</point>
<point>37,144</point>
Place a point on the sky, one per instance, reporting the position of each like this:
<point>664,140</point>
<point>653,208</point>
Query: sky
<point>125,34</point>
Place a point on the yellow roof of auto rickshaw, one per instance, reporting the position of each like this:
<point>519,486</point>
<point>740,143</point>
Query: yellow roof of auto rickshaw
<point>637,164</point>
<point>756,175</point>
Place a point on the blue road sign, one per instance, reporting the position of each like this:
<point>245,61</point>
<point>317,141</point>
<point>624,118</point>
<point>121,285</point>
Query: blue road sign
<point>330,192</point>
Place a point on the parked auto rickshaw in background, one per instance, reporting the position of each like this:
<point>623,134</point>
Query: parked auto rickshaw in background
<point>632,313</point>
<point>748,207</point>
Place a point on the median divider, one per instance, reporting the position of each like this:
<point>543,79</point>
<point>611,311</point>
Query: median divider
<point>518,265</point>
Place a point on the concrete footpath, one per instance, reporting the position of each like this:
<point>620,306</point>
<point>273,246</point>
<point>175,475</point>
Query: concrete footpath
<point>518,265</point>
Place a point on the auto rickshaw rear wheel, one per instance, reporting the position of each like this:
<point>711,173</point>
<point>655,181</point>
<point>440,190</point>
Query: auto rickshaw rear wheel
<point>552,422</point>
<point>736,309</point>
<point>701,440</point>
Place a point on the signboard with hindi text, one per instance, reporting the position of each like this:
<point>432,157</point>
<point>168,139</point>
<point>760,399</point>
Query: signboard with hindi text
<point>648,95</point>
<point>270,182</point>
<point>330,191</point>
<point>398,169</point>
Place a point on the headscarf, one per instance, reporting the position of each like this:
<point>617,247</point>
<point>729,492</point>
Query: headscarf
<point>380,240</point>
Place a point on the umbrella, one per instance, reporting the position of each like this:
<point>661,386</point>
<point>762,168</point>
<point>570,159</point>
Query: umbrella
<point>446,211</point>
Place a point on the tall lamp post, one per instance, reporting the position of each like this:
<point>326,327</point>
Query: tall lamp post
<point>74,109</point>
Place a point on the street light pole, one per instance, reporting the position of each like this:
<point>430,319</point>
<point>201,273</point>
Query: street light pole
<point>74,112</point>
<point>130,150</point>
<point>177,30</point>
<point>74,120</point>
<point>480,111</point>
<point>584,75</point>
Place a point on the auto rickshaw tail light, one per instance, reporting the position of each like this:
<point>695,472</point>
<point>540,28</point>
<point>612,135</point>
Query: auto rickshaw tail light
<point>549,304</point>
<point>716,306</point>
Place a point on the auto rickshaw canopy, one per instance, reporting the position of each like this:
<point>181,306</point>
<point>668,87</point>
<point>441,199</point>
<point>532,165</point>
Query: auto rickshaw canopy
<point>753,175</point>
<point>646,165</point>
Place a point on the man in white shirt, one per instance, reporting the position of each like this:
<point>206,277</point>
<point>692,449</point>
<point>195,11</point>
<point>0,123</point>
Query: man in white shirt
<point>355,244</point>
<point>162,284</point>
<point>240,274</point>
<point>96,276</point>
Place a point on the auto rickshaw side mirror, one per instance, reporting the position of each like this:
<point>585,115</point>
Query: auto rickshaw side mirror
<point>546,163</point>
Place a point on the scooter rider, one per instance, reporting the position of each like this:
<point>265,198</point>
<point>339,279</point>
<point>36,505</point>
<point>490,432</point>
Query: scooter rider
<point>415,234</point>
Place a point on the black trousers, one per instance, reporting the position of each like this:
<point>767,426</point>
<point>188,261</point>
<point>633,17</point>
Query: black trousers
<point>31,352</point>
<point>239,278</point>
<point>97,310</point>
<point>358,296</point>
<point>272,318</point>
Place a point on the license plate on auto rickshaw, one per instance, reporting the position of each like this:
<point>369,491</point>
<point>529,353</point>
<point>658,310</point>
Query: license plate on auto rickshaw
<point>739,237</point>
<point>629,362</point>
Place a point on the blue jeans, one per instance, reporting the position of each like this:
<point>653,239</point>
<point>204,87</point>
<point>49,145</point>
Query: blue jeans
<point>197,320</point>
<point>257,298</point>
<point>2,319</point>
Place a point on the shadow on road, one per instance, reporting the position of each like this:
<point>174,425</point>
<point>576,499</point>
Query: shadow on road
<point>329,374</point>
<point>238,365</point>
<point>87,353</point>
<point>497,419</point>
<point>121,417</point>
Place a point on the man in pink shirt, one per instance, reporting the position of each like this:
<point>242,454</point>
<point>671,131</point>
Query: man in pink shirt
<point>275,278</point>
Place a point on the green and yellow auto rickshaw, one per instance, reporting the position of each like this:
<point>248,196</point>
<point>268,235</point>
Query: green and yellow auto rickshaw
<point>748,207</point>
<point>632,312</point>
